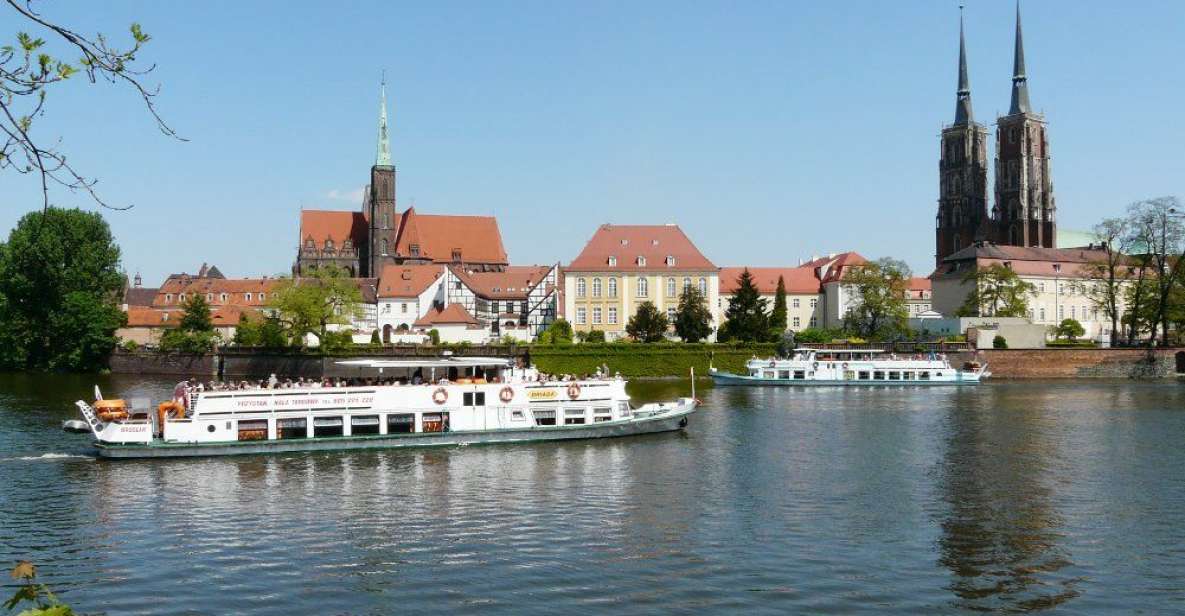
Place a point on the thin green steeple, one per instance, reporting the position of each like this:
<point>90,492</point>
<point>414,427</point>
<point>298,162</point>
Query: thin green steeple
<point>382,157</point>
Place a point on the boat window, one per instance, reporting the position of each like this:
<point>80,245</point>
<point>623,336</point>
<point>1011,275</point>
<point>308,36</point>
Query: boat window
<point>800,374</point>
<point>573,417</point>
<point>894,375</point>
<point>254,430</point>
<point>769,374</point>
<point>863,375</point>
<point>516,414</point>
<point>879,375</point>
<point>544,418</point>
<point>474,398</point>
<point>364,424</point>
<point>292,427</point>
<point>401,423</point>
<point>783,374</point>
<point>623,409</point>
<point>906,376</point>
<point>938,374</point>
<point>435,422</point>
<point>327,426</point>
<point>602,413</point>
<point>924,375</point>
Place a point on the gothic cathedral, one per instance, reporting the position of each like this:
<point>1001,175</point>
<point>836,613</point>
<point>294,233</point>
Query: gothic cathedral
<point>1024,213</point>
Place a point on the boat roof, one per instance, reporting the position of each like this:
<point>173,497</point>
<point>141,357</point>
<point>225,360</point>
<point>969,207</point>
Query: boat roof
<point>428,362</point>
<point>842,350</point>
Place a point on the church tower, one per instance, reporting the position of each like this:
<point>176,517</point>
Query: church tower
<point>1025,213</point>
<point>962,173</point>
<point>380,200</point>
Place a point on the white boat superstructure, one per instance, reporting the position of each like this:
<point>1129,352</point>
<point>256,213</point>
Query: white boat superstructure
<point>809,366</point>
<point>495,399</point>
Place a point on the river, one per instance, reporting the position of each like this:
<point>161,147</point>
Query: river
<point>1012,496</point>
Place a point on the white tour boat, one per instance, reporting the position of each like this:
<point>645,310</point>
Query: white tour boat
<point>497,403</point>
<point>853,367</point>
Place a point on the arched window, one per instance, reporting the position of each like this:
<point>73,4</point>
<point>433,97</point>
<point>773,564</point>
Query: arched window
<point>209,297</point>
<point>703,287</point>
<point>386,220</point>
<point>612,287</point>
<point>384,246</point>
<point>670,287</point>
<point>581,287</point>
<point>222,297</point>
<point>643,287</point>
<point>686,284</point>
<point>596,287</point>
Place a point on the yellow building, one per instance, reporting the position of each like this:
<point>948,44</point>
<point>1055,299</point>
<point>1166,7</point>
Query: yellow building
<point>623,266</point>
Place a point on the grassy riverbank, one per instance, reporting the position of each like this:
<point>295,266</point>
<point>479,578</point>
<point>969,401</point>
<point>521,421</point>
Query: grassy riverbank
<point>646,360</point>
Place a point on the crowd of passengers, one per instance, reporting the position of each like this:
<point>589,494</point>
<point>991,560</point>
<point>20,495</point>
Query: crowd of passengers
<point>273,382</point>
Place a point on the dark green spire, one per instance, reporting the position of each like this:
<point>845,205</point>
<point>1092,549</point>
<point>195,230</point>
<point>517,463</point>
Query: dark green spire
<point>963,115</point>
<point>1020,83</point>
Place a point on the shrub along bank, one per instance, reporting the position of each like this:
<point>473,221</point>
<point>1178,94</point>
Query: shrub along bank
<point>646,360</point>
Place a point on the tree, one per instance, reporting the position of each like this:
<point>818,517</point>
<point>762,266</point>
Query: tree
<point>195,333</point>
<point>1107,275</point>
<point>310,305</point>
<point>745,318</point>
<point>997,291</point>
<point>693,319</point>
<point>999,342</point>
<point>1161,233</point>
<point>28,72</point>
<point>648,324</point>
<point>593,335</point>
<point>879,299</point>
<point>1069,329</point>
<point>558,332</point>
<point>777,318</point>
<point>59,292</point>
<point>260,332</point>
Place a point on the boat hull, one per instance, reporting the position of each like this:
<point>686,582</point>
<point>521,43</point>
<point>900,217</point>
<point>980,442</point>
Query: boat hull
<point>727,379</point>
<point>664,422</point>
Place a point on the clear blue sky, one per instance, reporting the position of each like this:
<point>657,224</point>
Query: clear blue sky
<point>769,131</point>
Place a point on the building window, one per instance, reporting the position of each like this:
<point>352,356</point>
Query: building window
<point>670,287</point>
<point>384,247</point>
<point>164,316</point>
<point>247,296</point>
<point>670,261</point>
<point>814,322</point>
<point>581,315</point>
<point>643,287</point>
<point>328,244</point>
<point>222,297</point>
<point>686,284</point>
<point>797,322</point>
<point>596,315</point>
<point>386,220</point>
<point>670,314</point>
<point>596,287</point>
<point>612,287</point>
<point>814,302</point>
<point>209,297</point>
<point>1074,312</point>
<point>309,244</point>
<point>612,315</point>
<point>403,308</point>
<point>456,255</point>
<point>1061,313</point>
<point>1043,314</point>
<point>168,298</point>
<point>612,261</point>
<point>641,261</point>
<point>703,287</point>
<point>581,287</point>
<point>795,302</point>
<point>415,250</point>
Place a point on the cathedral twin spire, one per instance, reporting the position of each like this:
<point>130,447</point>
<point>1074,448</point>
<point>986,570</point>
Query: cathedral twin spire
<point>1020,85</point>
<point>382,156</point>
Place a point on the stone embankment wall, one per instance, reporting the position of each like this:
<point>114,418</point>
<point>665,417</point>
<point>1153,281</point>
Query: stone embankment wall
<point>174,364</point>
<point>1082,363</point>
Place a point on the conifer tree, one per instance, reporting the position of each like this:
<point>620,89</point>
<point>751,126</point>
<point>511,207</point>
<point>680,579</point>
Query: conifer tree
<point>777,318</point>
<point>747,320</point>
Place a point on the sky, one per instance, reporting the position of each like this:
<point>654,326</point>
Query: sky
<point>769,131</point>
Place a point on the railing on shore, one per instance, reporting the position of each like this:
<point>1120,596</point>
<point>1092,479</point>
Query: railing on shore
<point>897,347</point>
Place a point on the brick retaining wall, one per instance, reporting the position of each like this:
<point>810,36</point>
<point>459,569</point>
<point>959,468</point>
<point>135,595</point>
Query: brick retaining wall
<point>1080,363</point>
<point>174,364</point>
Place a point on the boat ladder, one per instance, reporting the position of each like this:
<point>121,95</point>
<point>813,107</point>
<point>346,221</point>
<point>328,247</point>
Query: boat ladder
<point>89,415</point>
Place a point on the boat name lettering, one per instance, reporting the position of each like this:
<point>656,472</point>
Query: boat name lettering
<point>304,402</point>
<point>541,394</point>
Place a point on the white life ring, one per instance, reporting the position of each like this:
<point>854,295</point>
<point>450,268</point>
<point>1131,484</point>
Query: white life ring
<point>574,391</point>
<point>506,395</point>
<point>815,365</point>
<point>440,396</point>
<point>845,365</point>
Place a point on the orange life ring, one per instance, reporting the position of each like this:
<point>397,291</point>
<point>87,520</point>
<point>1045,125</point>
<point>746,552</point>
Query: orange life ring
<point>440,396</point>
<point>506,395</point>
<point>574,391</point>
<point>111,410</point>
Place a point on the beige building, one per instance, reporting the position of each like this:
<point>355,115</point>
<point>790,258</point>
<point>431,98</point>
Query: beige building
<point>804,292</point>
<point>1059,276</point>
<point>623,266</point>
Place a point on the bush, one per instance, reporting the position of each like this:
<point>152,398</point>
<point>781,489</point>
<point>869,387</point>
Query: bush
<point>375,338</point>
<point>594,335</point>
<point>130,345</point>
<point>999,342</point>
<point>434,335</point>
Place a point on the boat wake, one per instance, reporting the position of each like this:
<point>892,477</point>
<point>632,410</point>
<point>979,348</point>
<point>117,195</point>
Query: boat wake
<point>48,456</point>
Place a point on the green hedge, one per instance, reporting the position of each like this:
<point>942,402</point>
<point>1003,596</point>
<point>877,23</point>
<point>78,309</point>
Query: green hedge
<point>646,360</point>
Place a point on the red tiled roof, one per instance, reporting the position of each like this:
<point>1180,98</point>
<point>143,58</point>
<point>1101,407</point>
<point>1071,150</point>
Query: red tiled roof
<point>515,282</point>
<point>917,283</point>
<point>338,226</point>
<point>139,296</point>
<point>798,280</point>
<point>235,288</point>
<point>408,280</point>
<point>223,316</point>
<point>438,236</point>
<point>1024,260</point>
<point>454,314</point>
<point>626,243</point>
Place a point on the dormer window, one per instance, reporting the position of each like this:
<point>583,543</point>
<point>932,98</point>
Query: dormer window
<point>415,250</point>
<point>248,296</point>
<point>641,261</point>
<point>670,261</point>
<point>612,261</point>
<point>654,242</point>
<point>309,244</point>
<point>164,316</point>
<point>222,298</point>
<point>347,245</point>
<point>328,244</point>
<point>456,254</point>
<point>625,242</point>
<point>168,298</point>
<point>209,297</point>
<point>1057,267</point>
<point>1008,264</point>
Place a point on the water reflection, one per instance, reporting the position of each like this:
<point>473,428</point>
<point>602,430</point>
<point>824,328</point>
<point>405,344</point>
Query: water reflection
<point>1002,535</point>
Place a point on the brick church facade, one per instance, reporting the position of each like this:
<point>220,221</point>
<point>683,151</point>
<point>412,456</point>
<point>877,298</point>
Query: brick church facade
<point>1024,212</point>
<point>363,242</point>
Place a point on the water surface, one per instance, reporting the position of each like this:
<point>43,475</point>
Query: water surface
<point>1024,496</point>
